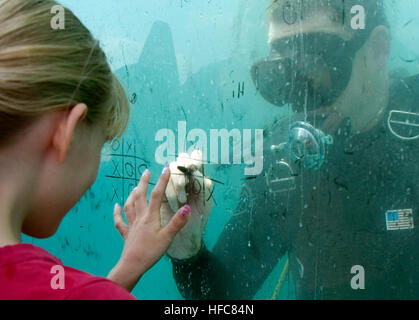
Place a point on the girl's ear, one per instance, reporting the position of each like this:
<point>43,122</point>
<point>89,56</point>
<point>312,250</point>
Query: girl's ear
<point>65,129</point>
<point>380,46</point>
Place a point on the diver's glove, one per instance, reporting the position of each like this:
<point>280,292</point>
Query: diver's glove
<point>188,185</point>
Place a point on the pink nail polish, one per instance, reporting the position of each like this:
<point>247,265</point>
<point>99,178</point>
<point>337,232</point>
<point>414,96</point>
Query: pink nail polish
<point>166,170</point>
<point>145,172</point>
<point>185,211</point>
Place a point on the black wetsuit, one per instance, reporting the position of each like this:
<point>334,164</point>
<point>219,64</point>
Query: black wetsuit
<point>327,221</point>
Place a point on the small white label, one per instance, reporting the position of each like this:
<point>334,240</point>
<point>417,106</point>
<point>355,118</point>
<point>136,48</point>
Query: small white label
<point>399,219</point>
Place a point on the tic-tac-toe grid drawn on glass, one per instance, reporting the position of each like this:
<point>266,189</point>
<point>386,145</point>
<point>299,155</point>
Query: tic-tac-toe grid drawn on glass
<point>125,170</point>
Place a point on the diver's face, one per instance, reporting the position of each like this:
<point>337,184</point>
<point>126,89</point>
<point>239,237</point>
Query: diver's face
<point>316,53</point>
<point>329,71</point>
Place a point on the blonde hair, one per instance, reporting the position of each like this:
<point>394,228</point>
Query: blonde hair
<point>42,70</point>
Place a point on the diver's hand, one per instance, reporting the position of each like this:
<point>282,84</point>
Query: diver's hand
<point>188,185</point>
<point>146,241</point>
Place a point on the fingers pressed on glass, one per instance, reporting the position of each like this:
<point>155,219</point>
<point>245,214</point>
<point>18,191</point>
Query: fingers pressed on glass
<point>178,221</point>
<point>129,207</point>
<point>159,190</point>
<point>119,222</point>
<point>143,184</point>
<point>141,193</point>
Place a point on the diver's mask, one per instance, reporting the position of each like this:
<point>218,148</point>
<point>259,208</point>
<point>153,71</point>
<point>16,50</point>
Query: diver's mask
<point>308,72</point>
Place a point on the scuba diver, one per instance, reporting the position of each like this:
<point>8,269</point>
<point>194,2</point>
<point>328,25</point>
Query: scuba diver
<point>340,186</point>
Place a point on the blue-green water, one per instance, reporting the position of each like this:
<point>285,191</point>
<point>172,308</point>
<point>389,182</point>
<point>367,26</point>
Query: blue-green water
<point>182,60</point>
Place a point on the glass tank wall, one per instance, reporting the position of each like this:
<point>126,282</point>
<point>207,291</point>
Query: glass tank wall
<point>325,200</point>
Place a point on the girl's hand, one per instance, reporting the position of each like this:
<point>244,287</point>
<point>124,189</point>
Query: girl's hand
<point>146,241</point>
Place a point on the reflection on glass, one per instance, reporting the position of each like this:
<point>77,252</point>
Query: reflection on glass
<point>334,84</point>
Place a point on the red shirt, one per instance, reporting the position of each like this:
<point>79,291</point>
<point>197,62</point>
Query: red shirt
<point>28,272</point>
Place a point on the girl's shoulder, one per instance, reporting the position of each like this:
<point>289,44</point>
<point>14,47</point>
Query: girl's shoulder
<point>28,272</point>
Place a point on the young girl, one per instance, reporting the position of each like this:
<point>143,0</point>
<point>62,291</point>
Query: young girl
<point>59,104</point>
